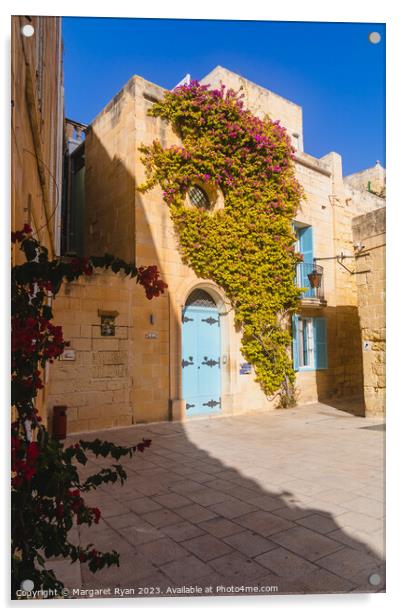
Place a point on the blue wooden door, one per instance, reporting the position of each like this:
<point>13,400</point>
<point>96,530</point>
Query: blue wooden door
<point>201,368</point>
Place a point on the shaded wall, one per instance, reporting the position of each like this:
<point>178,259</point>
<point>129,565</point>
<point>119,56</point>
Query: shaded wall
<point>109,178</point>
<point>37,127</point>
<point>93,377</point>
<point>37,137</point>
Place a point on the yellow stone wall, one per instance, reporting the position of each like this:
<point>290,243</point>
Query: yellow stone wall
<point>369,231</point>
<point>137,226</point>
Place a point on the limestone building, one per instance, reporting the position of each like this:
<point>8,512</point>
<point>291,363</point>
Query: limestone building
<point>37,110</point>
<point>130,358</point>
<point>37,113</point>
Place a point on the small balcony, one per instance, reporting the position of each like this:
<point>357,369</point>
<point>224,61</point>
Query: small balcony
<point>310,277</point>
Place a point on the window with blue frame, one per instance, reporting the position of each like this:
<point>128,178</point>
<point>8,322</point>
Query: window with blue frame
<point>309,343</point>
<point>304,241</point>
<point>304,245</point>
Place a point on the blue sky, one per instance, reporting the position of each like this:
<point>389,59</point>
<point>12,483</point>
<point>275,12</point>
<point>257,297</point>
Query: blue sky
<point>331,70</point>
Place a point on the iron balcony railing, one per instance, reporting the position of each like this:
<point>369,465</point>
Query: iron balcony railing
<point>310,277</point>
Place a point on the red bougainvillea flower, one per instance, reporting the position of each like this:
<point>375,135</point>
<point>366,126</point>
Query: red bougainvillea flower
<point>19,236</point>
<point>97,514</point>
<point>23,460</point>
<point>148,277</point>
<point>33,452</point>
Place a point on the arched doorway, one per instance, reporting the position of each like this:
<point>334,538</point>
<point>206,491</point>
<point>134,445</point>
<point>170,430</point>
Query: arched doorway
<point>201,350</point>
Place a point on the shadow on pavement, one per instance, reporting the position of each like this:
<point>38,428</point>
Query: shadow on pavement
<point>186,519</point>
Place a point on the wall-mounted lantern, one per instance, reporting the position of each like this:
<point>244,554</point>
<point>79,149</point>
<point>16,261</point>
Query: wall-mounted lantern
<point>315,278</point>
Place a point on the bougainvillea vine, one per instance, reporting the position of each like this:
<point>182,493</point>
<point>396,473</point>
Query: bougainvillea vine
<point>247,246</point>
<point>47,493</point>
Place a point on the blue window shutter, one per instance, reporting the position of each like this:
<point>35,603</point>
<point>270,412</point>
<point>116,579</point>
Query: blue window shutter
<point>306,248</point>
<point>320,343</point>
<point>295,345</point>
<point>306,243</point>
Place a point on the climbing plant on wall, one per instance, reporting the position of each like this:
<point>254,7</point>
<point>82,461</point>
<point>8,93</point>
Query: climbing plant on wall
<point>247,246</point>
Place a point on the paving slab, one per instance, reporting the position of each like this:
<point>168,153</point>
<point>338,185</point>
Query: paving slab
<point>220,527</point>
<point>162,517</point>
<point>162,551</point>
<point>183,531</point>
<point>285,563</point>
<point>359,521</point>
<point>349,562</point>
<point>320,581</point>
<point>124,520</point>
<point>319,523</point>
<point>207,496</point>
<point>172,501</point>
<point>373,543</point>
<point>143,505</point>
<point>366,506</point>
<point>306,542</point>
<point>186,486</point>
<point>249,543</point>
<point>186,571</point>
<point>111,507</point>
<point>195,513</point>
<point>141,533</point>
<point>265,502</point>
<point>264,522</point>
<point>232,508</point>
<point>238,568</point>
<point>207,547</point>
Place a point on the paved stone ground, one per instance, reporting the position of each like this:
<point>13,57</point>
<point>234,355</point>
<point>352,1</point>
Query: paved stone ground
<point>292,499</point>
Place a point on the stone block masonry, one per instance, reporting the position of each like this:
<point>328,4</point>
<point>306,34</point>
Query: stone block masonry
<point>96,383</point>
<point>369,232</point>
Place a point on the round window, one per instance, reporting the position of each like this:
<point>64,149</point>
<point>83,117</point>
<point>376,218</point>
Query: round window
<point>198,197</point>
